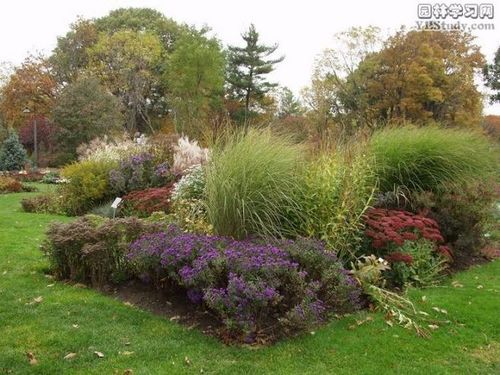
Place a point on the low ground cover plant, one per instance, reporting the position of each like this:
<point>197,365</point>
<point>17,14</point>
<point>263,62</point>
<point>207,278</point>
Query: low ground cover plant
<point>255,288</point>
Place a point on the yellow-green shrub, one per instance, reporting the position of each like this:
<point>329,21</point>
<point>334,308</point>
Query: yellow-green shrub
<point>88,185</point>
<point>336,190</point>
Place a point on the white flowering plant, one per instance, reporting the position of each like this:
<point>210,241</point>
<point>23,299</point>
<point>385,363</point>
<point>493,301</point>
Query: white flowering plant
<point>187,154</point>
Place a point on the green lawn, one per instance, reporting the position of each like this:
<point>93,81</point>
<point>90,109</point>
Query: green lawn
<point>70,319</point>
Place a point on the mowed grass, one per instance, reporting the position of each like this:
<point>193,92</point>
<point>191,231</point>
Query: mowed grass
<point>71,319</point>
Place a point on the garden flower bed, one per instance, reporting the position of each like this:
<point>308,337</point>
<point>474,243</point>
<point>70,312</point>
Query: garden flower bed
<point>265,241</point>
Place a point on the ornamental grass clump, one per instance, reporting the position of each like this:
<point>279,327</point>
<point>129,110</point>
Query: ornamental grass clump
<point>256,289</point>
<point>336,190</point>
<point>431,158</point>
<point>251,183</point>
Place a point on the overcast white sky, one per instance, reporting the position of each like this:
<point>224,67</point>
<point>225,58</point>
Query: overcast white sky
<point>302,28</point>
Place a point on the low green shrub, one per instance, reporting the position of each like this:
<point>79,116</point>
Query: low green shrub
<point>251,181</point>
<point>87,185</point>
<point>417,264</point>
<point>430,158</point>
<point>51,178</point>
<point>93,249</point>
<point>191,185</point>
<point>191,216</point>
<point>335,192</point>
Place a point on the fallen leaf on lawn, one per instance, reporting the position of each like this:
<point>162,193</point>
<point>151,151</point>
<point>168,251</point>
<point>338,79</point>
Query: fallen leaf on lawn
<point>480,287</point>
<point>423,313</point>
<point>99,354</point>
<point>126,353</point>
<point>363,321</point>
<point>456,284</point>
<point>127,303</point>
<point>177,317</point>
<point>424,298</point>
<point>442,311</point>
<point>433,326</point>
<point>70,356</point>
<point>312,333</point>
<point>75,326</point>
<point>4,273</point>
<point>50,285</point>
<point>31,358</point>
<point>187,361</point>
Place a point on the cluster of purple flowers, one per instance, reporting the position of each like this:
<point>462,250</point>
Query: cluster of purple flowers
<point>250,285</point>
<point>139,172</point>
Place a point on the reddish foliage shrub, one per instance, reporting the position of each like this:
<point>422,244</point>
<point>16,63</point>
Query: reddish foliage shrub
<point>145,202</point>
<point>399,257</point>
<point>25,176</point>
<point>389,229</point>
<point>10,185</point>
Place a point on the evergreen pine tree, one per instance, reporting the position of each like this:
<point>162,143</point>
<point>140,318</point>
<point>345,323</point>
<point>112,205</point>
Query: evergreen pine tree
<point>12,154</point>
<point>492,77</point>
<point>247,67</point>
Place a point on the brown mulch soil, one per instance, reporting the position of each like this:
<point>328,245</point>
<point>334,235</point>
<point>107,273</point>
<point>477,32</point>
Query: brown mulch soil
<point>174,305</point>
